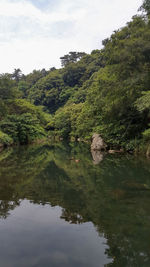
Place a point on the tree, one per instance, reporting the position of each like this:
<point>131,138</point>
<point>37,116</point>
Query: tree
<point>17,75</point>
<point>7,88</point>
<point>146,6</point>
<point>46,91</point>
<point>72,57</point>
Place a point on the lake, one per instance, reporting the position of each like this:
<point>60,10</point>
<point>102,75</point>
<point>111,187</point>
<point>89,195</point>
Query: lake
<point>62,206</point>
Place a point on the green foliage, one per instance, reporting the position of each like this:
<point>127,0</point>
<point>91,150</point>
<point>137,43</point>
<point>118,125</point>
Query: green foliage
<point>20,121</point>
<point>33,77</point>
<point>146,6</point>
<point>62,122</point>
<point>146,135</point>
<point>47,90</point>
<point>8,88</point>
<point>72,57</point>
<point>5,139</point>
<point>143,102</point>
<point>112,91</point>
<point>23,88</point>
<point>106,91</point>
<point>3,109</point>
<point>72,74</point>
<point>22,129</point>
<point>17,75</point>
<point>65,120</point>
<point>21,106</point>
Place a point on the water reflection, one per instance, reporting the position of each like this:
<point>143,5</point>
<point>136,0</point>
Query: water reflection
<point>97,156</point>
<point>114,196</point>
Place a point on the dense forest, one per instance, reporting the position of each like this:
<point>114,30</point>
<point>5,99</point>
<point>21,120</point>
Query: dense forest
<point>107,92</point>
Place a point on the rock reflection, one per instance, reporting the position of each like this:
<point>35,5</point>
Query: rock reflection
<point>97,156</point>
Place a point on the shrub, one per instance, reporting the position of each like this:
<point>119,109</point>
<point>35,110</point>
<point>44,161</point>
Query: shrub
<point>23,129</point>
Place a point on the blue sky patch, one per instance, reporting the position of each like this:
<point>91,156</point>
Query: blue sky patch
<point>43,4</point>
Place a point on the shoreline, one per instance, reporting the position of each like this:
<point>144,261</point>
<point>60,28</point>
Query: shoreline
<point>144,150</point>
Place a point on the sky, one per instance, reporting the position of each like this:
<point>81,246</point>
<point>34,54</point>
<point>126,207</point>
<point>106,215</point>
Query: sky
<point>34,34</point>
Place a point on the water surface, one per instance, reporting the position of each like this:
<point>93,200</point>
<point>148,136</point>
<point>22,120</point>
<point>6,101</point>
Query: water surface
<point>62,206</point>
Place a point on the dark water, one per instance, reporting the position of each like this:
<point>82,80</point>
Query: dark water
<point>58,207</point>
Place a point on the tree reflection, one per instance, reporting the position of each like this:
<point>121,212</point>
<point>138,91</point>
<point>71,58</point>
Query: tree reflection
<point>114,195</point>
<point>6,206</point>
<point>72,217</point>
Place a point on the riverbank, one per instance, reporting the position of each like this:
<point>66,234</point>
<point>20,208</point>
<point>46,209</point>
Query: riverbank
<point>11,144</point>
<point>140,148</point>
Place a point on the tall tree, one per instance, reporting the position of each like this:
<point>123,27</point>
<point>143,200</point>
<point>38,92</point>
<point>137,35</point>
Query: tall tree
<point>72,57</point>
<point>17,74</point>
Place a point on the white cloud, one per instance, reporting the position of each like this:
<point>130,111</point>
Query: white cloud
<point>33,38</point>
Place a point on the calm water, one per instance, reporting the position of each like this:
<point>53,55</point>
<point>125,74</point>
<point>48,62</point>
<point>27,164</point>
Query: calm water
<point>62,206</point>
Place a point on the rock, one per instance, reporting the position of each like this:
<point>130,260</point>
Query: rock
<point>115,151</point>
<point>98,143</point>
<point>111,152</point>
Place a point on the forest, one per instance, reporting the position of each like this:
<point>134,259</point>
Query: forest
<point>107,92</point>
